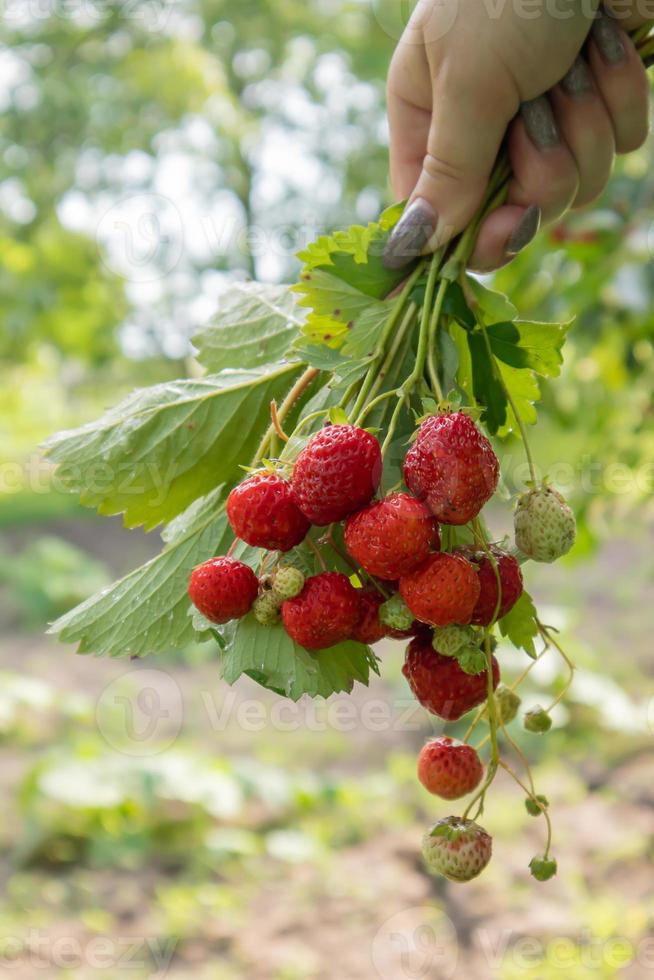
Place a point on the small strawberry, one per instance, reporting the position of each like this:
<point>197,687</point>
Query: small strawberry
<point>287,582</point>
<point>507,703</point>
<point>452,467</point>
<point>223,589</point>
<point>266,609</point>
<point>542,869</point>
<point>457,849</point>
<point>442,591</point>
<point>369,628</point>
<point>536,805</point>
<point>439,683</point>
<point>391,537</point>
<point>545,527</point>
<point>264,514</point>
<point>336,473</point>
<point>449,768</point>
<point>510,577</point>
<point>324,613</point>
<point>537,721</point>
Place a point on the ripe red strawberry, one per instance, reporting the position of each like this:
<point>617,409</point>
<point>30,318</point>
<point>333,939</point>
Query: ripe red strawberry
<point>223,589</point>
<point>369,629</point>
<point>392,537</point>
<point>442,591</point>
<point>440,685</point>
<point>452,467</point>
<point>324,613</point>
<point>336,473</point>
<point>263,512</point>
<point>449,768</point>
<point>510,581</point>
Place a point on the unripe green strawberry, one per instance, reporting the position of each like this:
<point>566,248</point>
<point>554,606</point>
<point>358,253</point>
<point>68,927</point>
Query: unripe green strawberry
<point>507,703</point>
<point>456,848</point>
<point>287,582</point>
<point>532,807</point>
<point>266,609</point>
<point>543,869</point>
<point>396,614</point>
<point>537,721</point>
<point>450,640</point>
<point>545,527</point>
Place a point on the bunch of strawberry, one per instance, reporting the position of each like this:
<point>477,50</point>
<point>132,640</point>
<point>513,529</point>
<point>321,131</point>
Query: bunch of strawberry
<point>405,582</point>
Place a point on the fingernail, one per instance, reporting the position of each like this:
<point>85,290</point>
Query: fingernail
<point>608,38</point>
<point>579,81</point>
<point>410,235</point>
<point>525,232</point>
<point>539,122</point>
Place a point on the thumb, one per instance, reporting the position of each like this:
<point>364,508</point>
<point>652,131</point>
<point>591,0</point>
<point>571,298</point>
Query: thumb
<point>469,118</point>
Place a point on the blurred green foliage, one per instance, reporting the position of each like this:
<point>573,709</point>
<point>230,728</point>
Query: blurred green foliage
<point>45,579</point>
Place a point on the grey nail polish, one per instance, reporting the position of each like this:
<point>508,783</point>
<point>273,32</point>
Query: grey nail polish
<point>410,235</point>
<point>539,122</point>
<point>609,39</point>
<point>579,81</point>
<point>525,232</point>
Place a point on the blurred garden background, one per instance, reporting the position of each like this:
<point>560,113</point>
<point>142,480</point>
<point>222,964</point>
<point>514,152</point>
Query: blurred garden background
<point>151,152</point>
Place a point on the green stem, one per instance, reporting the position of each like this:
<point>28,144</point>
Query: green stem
<point>549,639</point>
<point>296,392</point>
<point>399,305</point>
<point>398,340</point>
<point>481,537</point>
<point>531,795</point>
<point>492,724</point>
<point>431,341</point>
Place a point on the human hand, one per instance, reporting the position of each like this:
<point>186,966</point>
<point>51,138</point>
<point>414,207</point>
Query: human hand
<point>463,77</point>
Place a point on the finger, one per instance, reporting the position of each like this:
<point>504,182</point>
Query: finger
<point>544,170</point>
<point>504,234</point>
<point>585,126</point>
<point>467,125</point>
<point>409,95</point>
<point>622,82</point>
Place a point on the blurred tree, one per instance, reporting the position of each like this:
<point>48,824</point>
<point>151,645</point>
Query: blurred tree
<point>250,127</point>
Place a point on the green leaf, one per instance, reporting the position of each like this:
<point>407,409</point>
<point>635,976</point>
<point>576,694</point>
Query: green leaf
<point>355,257</point>
<point>165,446</point>
<point>270,656</point>
<point>362,339</point>
<point>520,626</point>
<point>254,324</point>
<point>455,305</point>
<point>525,390</point>
<point>487,388</point>
<point>495,307</point>
<point>535,346</point>
<point>330,297</point>
<point>448,359</point>
<point>148,610</point>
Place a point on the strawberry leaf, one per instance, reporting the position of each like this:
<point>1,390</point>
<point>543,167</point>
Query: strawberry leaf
<point>254,325</point>
<point>536,346</point>
<point>165,446</point>
<point>274,660</point>
<point>520,625</point>
<point>148,610</point>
